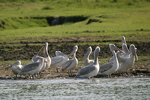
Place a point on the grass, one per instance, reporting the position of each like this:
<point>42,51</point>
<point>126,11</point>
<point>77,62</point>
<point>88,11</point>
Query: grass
<point>115,19</point>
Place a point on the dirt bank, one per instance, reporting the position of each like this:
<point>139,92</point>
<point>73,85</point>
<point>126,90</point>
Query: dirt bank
<point>26,52</point>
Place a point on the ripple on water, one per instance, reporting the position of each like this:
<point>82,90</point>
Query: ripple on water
<point>121,88</point>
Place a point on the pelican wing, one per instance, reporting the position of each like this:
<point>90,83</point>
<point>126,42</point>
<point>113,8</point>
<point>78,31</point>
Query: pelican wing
<point>19,67</point>
<point>87,69</point>
<point>56,59</point>
<point>105,67</point>
<point>66,64</point>
<point>30,66</point>
<point>122,59</point>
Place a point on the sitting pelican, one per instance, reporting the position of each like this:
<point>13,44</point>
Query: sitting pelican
<point>59,59</point>
<point>86,56</point>
<point>127,62</point>
<point>33,67</point>
<point>110,67</point>
<point>72,63</point>
<point>91,69</point>
<point>16,67</point>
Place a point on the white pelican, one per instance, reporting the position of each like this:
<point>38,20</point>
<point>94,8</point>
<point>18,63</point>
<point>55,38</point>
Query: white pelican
<point>59,59</point>
<point>124,48</point>
<point>72,63</point>
<point>16,67</point>
<point>110,67</point>
<point>86,56</point>
<point>91,69</point>
<point>47,59</point>
<point>33,67</point>
<point>34,57</point>
<point>127,62</point>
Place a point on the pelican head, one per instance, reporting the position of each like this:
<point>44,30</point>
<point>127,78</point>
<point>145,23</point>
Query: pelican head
<point>97,50</point>
<point>46,49</point>
<point>125,48</point>
<point>58,53</point>
<point>18,62</point>
<point>133,50</point>
<point>113,47</point>
<point>74,50</point>
<point>123,40</point>
<point>88,52</point>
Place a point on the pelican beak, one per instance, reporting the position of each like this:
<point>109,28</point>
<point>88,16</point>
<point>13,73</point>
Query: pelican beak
<point>136,57</point>
<point>115,48</point>
<point>69,56</point>
<point>38,57</point>
<point>8,67</point>
<point>45,61</point>
<point>123,40</point>
<point>85,55</point>
<point>72,53</point>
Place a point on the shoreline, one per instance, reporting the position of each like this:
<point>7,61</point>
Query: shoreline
<point>51,73</point>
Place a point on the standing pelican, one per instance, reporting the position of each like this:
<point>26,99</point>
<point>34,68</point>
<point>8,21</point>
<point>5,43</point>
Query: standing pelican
<point>58,60</point>
<point>47,59</point>
<point>72,63</point>
<point>91,69</point>
<point>110,67</point>
<point>33,67</point>
<point>127,62</point>
<point>86,56</point>
<point>124,49</point>
<point>16,67</point>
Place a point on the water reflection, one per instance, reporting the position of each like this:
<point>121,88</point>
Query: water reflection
<point>96,89</point>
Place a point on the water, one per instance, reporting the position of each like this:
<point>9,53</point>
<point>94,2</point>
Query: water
<point>68,89</point>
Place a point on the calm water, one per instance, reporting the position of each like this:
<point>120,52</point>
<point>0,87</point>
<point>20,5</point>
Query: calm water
<point>93,89</point>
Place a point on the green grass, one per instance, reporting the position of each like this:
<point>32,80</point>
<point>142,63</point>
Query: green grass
<point>117,18</point>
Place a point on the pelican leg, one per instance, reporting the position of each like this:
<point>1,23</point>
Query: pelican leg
<point>128,73</point>
<point>71,72</point>
<point>16,75</point>
<point>110,76</point>
<point>122,74</point>
<point>39,75</point>
<point>32,76</point>
<point>57,70</point>
<point>68,73</point>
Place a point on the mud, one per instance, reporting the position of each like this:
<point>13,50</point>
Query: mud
<point>26,51</point>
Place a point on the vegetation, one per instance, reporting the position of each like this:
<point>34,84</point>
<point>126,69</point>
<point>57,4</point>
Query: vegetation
<point>25,25</point>
<point>81,22</point>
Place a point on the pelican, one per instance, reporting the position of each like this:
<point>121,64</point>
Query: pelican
<point>110,67</point>
<point>124,48</point>
<point>47,59</point>
<point>127,62</point>
<point>72,63</point>
<point>16,67</point>
<point>86,56</point>
<point>58,60</point>
<point>34,57</point>
<point>33,67</point>
<point>91,69</point>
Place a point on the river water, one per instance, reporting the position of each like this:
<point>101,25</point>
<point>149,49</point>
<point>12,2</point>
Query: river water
<point>80,89</point>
